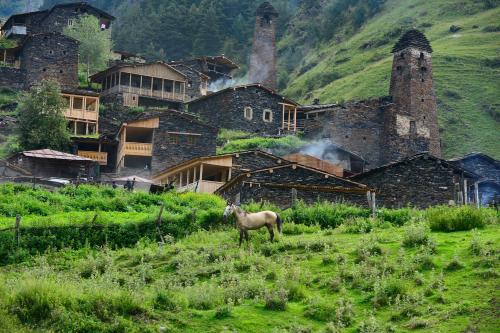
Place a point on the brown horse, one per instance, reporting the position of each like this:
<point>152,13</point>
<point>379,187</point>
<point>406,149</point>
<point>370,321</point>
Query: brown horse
<point>253,221</point>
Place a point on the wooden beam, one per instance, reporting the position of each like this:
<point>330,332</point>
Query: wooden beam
<point>201,172</point>
<point>295,120</point>
<point>119,80</point>
<point>283,117</point>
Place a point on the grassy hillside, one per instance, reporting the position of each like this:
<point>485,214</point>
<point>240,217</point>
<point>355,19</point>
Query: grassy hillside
<point>390,274</point>
<point>466,66</point>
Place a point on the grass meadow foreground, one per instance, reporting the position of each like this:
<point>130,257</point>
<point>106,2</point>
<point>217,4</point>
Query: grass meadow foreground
<point>334,269</point>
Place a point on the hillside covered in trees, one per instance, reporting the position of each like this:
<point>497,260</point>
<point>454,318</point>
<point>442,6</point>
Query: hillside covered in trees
<point>338,50</point>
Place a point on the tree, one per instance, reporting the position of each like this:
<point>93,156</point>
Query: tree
<point>95,43</point>
<point>41,119</point>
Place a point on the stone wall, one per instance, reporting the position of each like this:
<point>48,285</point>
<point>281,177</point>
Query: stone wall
<point>11,78</point>
<point>262,67</point>
<point>421,181</point>
<point>226,109</point>
<point>275,185</point>
<point>59,17</point>
<point>50,57</point>
<point>357,127</point>
<point>194,83</point>
<point>412,126</point>
<point>485,167</point>
<point>167,153</point>
<point>41,167</point>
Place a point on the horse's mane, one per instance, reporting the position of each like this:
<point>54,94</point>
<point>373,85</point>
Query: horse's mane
<point>241,211</point>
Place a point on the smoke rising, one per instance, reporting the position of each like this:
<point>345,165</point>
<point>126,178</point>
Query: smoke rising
<point>226,83</point>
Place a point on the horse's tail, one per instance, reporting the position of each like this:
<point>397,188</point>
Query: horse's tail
<point>279,222</point>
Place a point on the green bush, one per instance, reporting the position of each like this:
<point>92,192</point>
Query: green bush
<point>386,290</point>
<point>396,216</point>
<point>169,301</point>
<point>455,218</point>
<point>320,309</point>
<point>416,234</point>
<point>276,299</point>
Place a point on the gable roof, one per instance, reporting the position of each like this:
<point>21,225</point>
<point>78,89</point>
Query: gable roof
<point>190,68</point>
<point>220,59</point>
<point>53,154</point>
<point>294,166</point>
<point>47,12</point>
<point>98,75</point>
<point>253,85</point>
<point>474,155</point>
<point>412,158</point>
<point>211,157</point>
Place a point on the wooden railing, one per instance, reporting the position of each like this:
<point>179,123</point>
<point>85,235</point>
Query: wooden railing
<point>205,186</point>
<point>100,157</point>
<point>81,114</point>
<point>138,149</point>
<point>145,92</point>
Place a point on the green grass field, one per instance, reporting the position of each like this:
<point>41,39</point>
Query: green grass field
<point>390,274</point>
<point>465,67</point>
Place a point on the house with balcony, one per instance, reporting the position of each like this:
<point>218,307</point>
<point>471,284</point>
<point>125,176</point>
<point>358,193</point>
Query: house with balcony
<point>207,174</point>
<point>154,84</point>
<point>82,111</point>
<point>144,143</point>
<point>52,20</point>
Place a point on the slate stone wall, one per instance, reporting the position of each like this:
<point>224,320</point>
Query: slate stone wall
<point>226,110</point>
<point>411,127</point>
<point>11,78</point>
<point>357,127</point>
<point>419,182</point>
<point>167,154</point>
<point>482,166</point>
<point>58,18</point>
<point>282,197</point>
<point>194,83</point>
<point>50,57</point>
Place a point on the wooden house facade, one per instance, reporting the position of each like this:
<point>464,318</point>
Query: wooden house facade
<point>208,173</point>
<point>142,84</point>
<point>82,111</point>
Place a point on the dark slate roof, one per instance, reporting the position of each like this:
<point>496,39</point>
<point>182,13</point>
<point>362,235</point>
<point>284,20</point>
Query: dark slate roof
<point>413,38</point>
<point>86,5</point>
<point>475,155</point>
<point>253,85</point>
<point>53,154</point>
<point>219,59</point>
<point>415,157</point>
<point>266,8</point>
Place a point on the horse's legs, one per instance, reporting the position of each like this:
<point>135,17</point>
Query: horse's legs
<point>246,235</point>
<point>271,231</point>
<point>241,236</point>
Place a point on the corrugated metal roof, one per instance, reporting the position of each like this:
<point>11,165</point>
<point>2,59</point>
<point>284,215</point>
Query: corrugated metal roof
<point>54,154</point>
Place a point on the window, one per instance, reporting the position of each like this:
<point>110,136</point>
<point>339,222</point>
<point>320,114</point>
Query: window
<point>70,22</point>
<point>125,79</point>
<point>413,127</point>
<point>423,69</point>
<point>146,82</point>
<point>168,87</point>
<point>191,140</point>
<point>78,103</point>
<point>402,55</point>
<point>173,139</point>
<point>421,55</point>
<point>61,71</point>
<point>248,113</point>
<point>399,68</point>
<point>267,116</point>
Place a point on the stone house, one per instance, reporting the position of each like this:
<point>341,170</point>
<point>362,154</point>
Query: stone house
<point>197,82</point>
<point>52,20</point>
<point>283,185</point>
<point>44,56</point>
<point>52,163</point>
<point>489,169</point>
<point>386,129</point>
<point>155,84</point>
<point>147,142</point>
<point>251,108</point>
<point>421,181</point>
<point>207,173</point>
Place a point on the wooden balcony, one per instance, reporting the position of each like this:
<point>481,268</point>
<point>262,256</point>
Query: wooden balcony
<point>145,92</point>
<point>138,149</point>
<point>81,114</point>
<point>100,157</point>
<point>205,186</point>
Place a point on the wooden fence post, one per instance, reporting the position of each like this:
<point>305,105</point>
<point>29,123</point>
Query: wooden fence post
<point>374,205</point>
<point>158,223</point>
<point>294,197</point>
<point>18,231</point>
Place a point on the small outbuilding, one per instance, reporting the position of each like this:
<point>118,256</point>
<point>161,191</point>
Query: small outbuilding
<point>52,163</point>
<point>422,180</point>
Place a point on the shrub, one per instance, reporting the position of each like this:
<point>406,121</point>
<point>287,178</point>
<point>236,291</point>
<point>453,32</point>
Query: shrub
<point>395,216</point>
<point>320,309</point>
<point>423,260</point>
<point>476,246</point>
<point>295,289</point>
<point>370,325</point>
<point>359,225</point>
<point>223,311</point>
<point>169,301</point>
<point>298,229</point>
<point>454,265</point>
<point>387,289</point>
<point>35,302</point>
<point>368,247</point>
<point>455,218</point>
<point>276,299</point>
<point>416,234</point>
<point>204,297</point>
<point>344,313</point>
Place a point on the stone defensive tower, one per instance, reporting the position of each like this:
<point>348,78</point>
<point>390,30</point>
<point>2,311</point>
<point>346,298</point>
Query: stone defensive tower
<point>411,126</point>
<point>263,58</point>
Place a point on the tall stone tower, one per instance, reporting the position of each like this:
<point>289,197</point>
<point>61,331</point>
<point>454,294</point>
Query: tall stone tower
<point>411,125</point>
<point>263,58</point>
